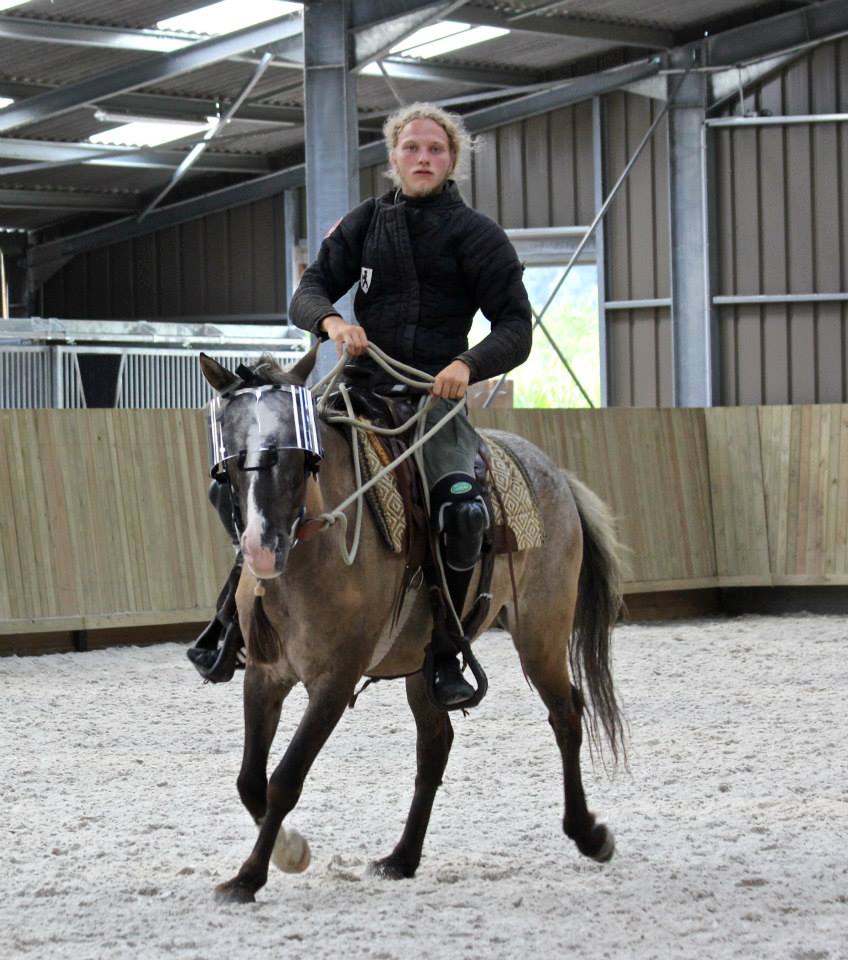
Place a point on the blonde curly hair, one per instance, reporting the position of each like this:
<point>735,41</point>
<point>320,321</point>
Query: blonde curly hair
<point>459,139</point>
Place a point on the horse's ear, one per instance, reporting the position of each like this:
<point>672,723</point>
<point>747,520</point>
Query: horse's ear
<point>219,377</point>
<point>299,373</point>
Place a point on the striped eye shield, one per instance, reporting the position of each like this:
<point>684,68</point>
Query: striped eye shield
<point>276,417</point>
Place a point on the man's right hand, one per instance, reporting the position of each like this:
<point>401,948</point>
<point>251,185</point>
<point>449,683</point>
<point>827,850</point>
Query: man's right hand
<point>345,335</point>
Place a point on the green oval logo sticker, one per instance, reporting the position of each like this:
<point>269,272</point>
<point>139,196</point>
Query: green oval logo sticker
<point>461,486</point>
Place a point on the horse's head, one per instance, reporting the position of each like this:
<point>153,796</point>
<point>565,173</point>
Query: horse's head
<point>263,442</point>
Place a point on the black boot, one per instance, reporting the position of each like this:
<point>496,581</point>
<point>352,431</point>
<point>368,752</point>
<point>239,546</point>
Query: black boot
<point>219,650</point>
<point>450,688</point>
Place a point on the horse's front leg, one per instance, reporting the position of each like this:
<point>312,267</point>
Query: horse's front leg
<point>434,739</point>
<point>327,702</point>
<point>263,701</point>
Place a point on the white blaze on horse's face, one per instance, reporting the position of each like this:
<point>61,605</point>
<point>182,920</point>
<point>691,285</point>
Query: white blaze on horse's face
<point>261,560</point>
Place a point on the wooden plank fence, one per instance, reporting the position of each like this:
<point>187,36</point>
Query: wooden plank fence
<point>104,521</point>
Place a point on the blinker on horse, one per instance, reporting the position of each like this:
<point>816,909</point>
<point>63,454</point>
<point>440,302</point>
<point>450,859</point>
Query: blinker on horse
<point>317,621</point>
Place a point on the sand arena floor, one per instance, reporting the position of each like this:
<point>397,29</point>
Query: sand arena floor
<point>118,783</point>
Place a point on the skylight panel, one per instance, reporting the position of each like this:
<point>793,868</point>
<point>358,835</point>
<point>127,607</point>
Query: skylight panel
<point>5,101</point>
<point>148,133</point>
<point>8,4</point>
<point>432,42</point>
<point>228,15</point>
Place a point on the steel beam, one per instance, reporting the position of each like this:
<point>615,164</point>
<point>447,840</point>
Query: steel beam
<point>375,42</point>
<point>87,35</point>
<point>332,168</point>
<point>166,107</point>
<point>118,38</point>
<point>259,189</point>
<point>616,34</point>
<point>44,151</point>
<point>691,253</point>
<point>599,184</point>
<point>368,12</point>
<point>66,200</point>
<point>406,68</point>
<point>369,154</point>
<point>582,88</point>
<point>775,34</point>
<point>150,70</point>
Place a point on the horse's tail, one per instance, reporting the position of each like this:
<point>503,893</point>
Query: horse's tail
<point>599,603</point>
<point>263,640</point>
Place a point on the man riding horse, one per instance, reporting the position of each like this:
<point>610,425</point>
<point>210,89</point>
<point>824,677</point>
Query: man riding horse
<point>425,262</point>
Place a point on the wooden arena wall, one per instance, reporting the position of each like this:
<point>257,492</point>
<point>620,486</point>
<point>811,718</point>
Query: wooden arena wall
<point>104,521</point>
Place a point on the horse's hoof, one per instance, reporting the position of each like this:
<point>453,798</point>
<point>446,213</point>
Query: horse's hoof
<point>389,868</point>
<point>605,839</point>
<point>233,891</point>
<point>291,852</point>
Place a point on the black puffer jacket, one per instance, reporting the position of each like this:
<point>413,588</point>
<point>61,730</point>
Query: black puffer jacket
<point>424,267</point>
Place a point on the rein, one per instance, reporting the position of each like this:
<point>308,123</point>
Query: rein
<point>399,371</point>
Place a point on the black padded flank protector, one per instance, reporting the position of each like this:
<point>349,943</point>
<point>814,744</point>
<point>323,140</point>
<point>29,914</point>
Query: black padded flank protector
<point>461,519</point>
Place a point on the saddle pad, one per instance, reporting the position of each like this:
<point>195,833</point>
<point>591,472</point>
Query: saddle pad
<point>513,488</point>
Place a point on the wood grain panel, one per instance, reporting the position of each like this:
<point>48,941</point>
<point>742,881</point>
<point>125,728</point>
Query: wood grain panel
<point>738,500</point>
<point>105,520</point>
<point>650,466</point>
<point>805,477</point>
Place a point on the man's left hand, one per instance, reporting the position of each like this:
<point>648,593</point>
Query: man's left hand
<point>452,382</point>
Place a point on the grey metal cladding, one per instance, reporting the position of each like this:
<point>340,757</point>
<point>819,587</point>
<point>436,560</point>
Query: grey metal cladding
<point>637,251</point>
<point>782,210</point>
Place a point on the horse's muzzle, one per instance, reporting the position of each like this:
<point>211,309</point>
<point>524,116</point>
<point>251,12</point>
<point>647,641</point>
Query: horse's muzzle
<point>264,563</point>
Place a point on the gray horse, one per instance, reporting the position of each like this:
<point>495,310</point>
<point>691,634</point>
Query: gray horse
<point>309,618</point>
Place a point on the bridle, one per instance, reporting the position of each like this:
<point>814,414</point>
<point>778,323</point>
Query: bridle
<point>273,433</point>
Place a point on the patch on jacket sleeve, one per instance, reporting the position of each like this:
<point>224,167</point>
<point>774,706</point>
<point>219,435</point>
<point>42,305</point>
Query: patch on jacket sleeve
<point>365,279</point>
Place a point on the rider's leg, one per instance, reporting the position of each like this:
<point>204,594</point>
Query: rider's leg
<point>218,650</point>
<point>460,519</point>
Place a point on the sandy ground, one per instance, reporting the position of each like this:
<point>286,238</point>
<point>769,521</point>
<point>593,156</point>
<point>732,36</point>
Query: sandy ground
<point>119,767</point>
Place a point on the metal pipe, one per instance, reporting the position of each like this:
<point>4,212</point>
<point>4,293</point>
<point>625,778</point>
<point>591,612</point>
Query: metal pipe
<point>754,299</point>
<point>656,303</point>
<point>598,217</point>
<point>195,153</point>
<point>777,121</point>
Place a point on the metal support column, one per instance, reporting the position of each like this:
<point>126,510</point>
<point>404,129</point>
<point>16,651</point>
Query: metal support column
<point>690,255</point>
<point>332,166</point>
<point>600,244</point>
<point>290,278</point>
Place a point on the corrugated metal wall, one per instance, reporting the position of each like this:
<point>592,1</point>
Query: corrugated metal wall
<point>535,173</point>
<point>637,254</point>
<point>782,212</point>
<point>227,263</point>
<point>783,222</point>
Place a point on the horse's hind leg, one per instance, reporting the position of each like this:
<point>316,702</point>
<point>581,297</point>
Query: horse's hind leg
<point>435,736</point>
<point>565,714</point>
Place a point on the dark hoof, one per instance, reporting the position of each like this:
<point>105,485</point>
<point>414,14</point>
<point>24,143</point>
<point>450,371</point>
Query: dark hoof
<point>601,845</point>
<point>390,868</point>
<point>234,891</point>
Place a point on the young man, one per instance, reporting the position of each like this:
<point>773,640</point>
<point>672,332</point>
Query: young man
<point>425,263</point>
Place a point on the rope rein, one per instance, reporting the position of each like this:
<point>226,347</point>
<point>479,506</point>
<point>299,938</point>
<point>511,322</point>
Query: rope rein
<point>403,374</point>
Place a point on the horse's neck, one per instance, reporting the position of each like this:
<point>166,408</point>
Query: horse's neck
<point>335,478</point>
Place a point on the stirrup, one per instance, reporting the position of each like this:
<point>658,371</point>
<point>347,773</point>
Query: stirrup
<point>429,669</point>
<point>218,666</point>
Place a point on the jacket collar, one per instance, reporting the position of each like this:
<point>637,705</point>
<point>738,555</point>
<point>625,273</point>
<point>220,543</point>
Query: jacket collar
<point>448,196</point>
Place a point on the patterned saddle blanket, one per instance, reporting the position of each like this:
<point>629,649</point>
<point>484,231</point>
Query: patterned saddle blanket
<point>517,521</point>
